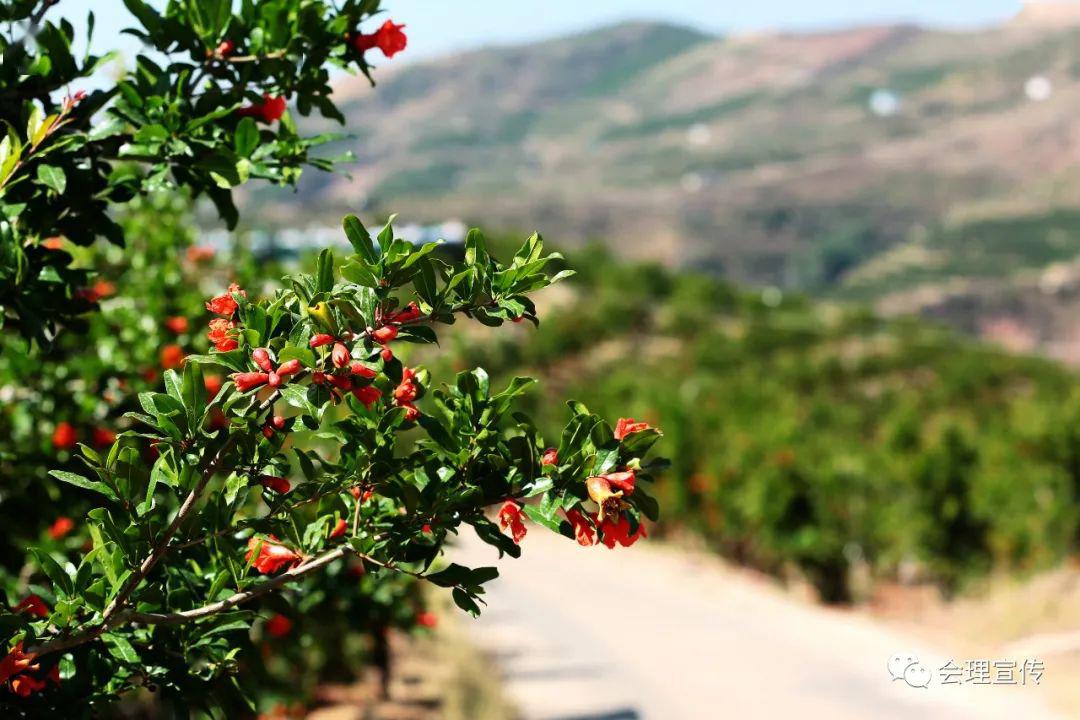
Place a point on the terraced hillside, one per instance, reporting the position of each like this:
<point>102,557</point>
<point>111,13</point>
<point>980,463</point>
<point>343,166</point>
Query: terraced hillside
<point>803,160</point>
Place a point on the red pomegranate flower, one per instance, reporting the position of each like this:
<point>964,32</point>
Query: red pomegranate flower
<point>64,436</point>
<point>103,437</point>
<point>510,518</point>
<point>409,313</point>
<point>624,481</point>
<point>387,38</point>
<point>213,384</point>
<point>368,395</point>
<point>618,531</point>
<point>61,527</point>
<point>584,533</point>
<point>172,357</point>
<point>225,304</point>
<point>273,556</point>
<point>279,626</point>
<point>220,336</point>
<point>629,426</point>
<point>550,457</point>
<point>406,391</point>
<point>26,685</point>
<point>610,501</point>
<point>34,605</point>
<point>320,340</point>
<point>340,528</point>
<point>15,662</point>
<point>177,324</point>
<point>270,109</point>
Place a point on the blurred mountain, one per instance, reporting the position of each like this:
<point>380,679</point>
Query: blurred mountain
<point>893,163</point>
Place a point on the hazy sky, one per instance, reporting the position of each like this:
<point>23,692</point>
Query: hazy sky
<point>440,26</point>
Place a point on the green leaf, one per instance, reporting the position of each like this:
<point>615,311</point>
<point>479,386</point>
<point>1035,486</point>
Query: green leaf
<point>551,522</point>
<point>120,648</point>
<point>294,352</point>
<point>360,239</point>
<point>79,481</point>
<point>60,579</point>
<point>247,137</point>
<point>53,177</point>
<point>324,272</point>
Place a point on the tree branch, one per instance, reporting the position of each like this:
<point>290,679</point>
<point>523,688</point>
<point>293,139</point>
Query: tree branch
<point>109,616</point>
<point>178,618</point>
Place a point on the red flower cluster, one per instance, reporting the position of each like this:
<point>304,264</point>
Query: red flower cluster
<point>224,304</point>
<point>387,38</point>
<point>511,518</point>
<point>406,392</point>
<point>272,555</point>
<point>270,109</point>
<point>23,675</point>
<point>246,381</point>
<point>629,426</point>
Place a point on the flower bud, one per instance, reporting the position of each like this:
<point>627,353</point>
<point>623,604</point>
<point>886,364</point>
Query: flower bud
<point>385,334</point>
<point>360,370</point>
<point>274,380</point>
<point>250,380</point>
<point>340,355</point>
<point>289,367</point>
<point>550,457</point>
<point>277,484</point>
<point>262,358</point>
<point>278,422</point>
<point>320,340</point>
<point>341,382</point>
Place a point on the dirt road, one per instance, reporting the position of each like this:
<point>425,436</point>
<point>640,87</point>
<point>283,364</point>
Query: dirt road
<point>592,634</point>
